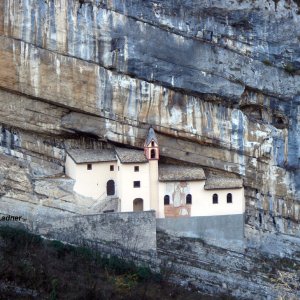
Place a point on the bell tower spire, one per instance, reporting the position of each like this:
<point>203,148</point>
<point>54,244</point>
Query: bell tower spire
<point>151,145</point>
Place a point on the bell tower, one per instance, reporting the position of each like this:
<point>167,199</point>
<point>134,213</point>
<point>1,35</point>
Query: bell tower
<point>151,150</point>
<point>151,146</point>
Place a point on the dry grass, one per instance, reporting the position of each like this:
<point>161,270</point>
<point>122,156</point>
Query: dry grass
<point>33,268</point>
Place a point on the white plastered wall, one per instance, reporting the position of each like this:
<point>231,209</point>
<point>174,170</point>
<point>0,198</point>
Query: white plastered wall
<point>153,182</point>
<point>205,206</point>
<point>70,167</point>
<point>202,204</point>
<point>92,183</point>
<point>127,193</point>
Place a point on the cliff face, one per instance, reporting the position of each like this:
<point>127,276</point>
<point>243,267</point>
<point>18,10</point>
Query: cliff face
<point>218,80</point>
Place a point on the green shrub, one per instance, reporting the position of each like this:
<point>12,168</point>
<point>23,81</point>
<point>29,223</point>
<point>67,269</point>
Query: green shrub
<point>18,238</point>
<point>57,245</point>
<point>267,62</point>
<point>119,265</point>
<point>61,248</point>
<point>144,273</point>
<point>290,69</point>
<point>54,284</point>
<point>84,252</point>
<point>102,262</point>
<point>157,277</point>
<point>125,282</point>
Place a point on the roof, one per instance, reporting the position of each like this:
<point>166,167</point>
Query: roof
<point>219,183</point>
<point>151,136</point>
<point>131,156</point>
<point>91,155</point>
<point>180,173</point>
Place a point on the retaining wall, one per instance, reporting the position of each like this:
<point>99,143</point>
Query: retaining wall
<point>133,231</point>
<point>215,229</point>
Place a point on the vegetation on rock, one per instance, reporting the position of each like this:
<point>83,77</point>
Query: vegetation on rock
<point>33,268</point>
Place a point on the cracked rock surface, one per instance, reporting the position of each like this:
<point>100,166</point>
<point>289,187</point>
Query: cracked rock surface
<point>219,81</point>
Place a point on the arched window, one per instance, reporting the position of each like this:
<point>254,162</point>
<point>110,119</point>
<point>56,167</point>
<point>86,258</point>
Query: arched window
<point>138,204</point>
<point>152,144</point>
<point>229,198</point>
<point>188,199</point>
<point>166,200</point>
<point>110,188</point>
<point>215,198</point>
<point>153,153</point>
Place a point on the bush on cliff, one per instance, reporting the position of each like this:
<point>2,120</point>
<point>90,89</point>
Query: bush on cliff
<point>33,268</point>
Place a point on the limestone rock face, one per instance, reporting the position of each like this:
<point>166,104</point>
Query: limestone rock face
<point>218,81</point>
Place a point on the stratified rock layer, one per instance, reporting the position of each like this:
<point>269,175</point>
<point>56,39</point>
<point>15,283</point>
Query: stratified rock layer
<point>213,75</point>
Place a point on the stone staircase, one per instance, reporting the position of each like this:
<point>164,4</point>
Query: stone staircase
<point>105,203</point>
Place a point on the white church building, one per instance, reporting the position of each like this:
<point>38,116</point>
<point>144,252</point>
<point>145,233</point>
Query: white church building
<point>141,183</point>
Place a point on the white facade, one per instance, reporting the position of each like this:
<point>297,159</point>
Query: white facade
<point>126,177</point>
<point>237,206</point>
<point>201,200</point>
<point>91,183</point>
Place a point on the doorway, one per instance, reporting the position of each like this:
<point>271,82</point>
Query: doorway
<point>110,188</point>
<point>138,204</point>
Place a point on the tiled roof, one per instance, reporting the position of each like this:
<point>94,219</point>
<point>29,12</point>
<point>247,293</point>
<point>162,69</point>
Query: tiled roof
<point>90,156</point>
<point>219,183</point>
<point>179,173</point>
<point>131,156</point>
<point>151,136</point>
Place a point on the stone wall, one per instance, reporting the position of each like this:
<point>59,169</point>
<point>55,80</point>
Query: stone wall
<point>130,231</point>
<point>268,273</point>
<point>218,230</point>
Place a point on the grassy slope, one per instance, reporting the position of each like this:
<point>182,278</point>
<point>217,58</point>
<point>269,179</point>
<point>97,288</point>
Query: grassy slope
<point>33,268</point>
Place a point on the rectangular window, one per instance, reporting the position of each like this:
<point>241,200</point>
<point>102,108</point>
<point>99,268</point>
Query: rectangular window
<point>89,167</point>
<point>136,168</point>
<point>111,167</point>
<point>136,184</point>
